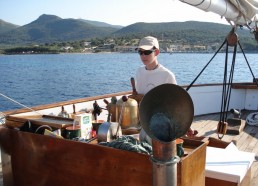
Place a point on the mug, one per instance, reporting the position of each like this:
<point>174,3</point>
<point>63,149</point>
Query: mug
<point>179,147</point>
<point>72,132</point>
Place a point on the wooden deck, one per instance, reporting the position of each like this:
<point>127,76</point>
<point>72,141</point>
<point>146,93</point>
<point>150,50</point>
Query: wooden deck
<point>245,141</point>
<point>206,126</point>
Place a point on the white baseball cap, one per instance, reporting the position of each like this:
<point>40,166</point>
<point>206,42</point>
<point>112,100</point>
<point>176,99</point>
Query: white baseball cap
<point>148,43</point>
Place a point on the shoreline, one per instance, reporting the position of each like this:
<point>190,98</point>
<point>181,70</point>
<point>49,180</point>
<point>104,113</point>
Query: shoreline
<point>171,53</point>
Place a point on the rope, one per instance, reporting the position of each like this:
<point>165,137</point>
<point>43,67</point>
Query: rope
<point>129,143</point>
<point>43,127</point>
<point>252,119</point>
<point>231,77</point>
<point>10,99</point>
<point>206,66</point>
<point>227,87</point>
<point>248,63</point>
<point>223,98</point>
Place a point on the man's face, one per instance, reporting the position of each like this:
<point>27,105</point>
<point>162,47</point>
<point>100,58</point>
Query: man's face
<point>148,56</point>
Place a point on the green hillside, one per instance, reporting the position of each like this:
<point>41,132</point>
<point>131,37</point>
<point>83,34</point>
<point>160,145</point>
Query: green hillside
<point>4,26</point>
<point>191,32</point>
<point>101,24</point>
<point>49,29</point>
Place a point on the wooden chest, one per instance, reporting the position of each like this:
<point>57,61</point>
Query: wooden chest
<point>32,159</point>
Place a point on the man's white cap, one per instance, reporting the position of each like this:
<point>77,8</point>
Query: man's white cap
<point>147,43</point>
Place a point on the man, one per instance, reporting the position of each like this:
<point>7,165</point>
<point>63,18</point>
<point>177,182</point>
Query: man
<point>152,73</point>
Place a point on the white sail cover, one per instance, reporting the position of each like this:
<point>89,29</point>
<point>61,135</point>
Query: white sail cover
<point>240,12</point>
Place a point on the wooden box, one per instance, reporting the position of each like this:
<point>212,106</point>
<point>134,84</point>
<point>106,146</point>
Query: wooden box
<point>191,168</point>
<point>32,159</point>
<point>226,166</point>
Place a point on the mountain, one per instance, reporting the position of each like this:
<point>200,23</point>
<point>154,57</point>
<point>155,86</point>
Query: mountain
<point>4,26</point>
<point>101,24</point>
<point>191,32</point>
<point>172,27</point>
<point>50,28</point>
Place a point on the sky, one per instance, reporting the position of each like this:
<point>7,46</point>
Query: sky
<point>115,12</point>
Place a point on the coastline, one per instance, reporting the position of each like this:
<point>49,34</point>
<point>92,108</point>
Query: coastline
<point>106,52</point>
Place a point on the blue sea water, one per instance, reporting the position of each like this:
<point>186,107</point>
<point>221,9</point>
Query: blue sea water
<point>41,79</point>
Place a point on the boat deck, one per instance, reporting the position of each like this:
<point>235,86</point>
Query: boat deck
<point>206,125</point>
<point>246,141</point>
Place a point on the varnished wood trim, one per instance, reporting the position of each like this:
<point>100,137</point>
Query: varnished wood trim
<point>245,86</point>
<point>69,102</point>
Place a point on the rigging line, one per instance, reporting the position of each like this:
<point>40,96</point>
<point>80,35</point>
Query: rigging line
<point>222,109</point>
<point>225,86</point>
<point>206,66</point>
<point>230,81</point>
<point>222,123</point>
<point>248,64</point>
<point>19,103</point>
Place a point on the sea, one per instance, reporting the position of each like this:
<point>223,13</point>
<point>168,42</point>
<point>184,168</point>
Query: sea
<point>39,79</point>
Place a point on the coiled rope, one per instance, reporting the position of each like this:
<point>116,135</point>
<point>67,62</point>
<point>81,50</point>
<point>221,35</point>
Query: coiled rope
<point>129,143</point>
<point>252,119</point>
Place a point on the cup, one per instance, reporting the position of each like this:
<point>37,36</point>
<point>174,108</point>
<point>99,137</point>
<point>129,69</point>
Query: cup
<point>179,147</point>
<point>72,132</point>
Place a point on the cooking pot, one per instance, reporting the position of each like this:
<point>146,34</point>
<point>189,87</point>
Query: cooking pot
<point>109,131</point>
